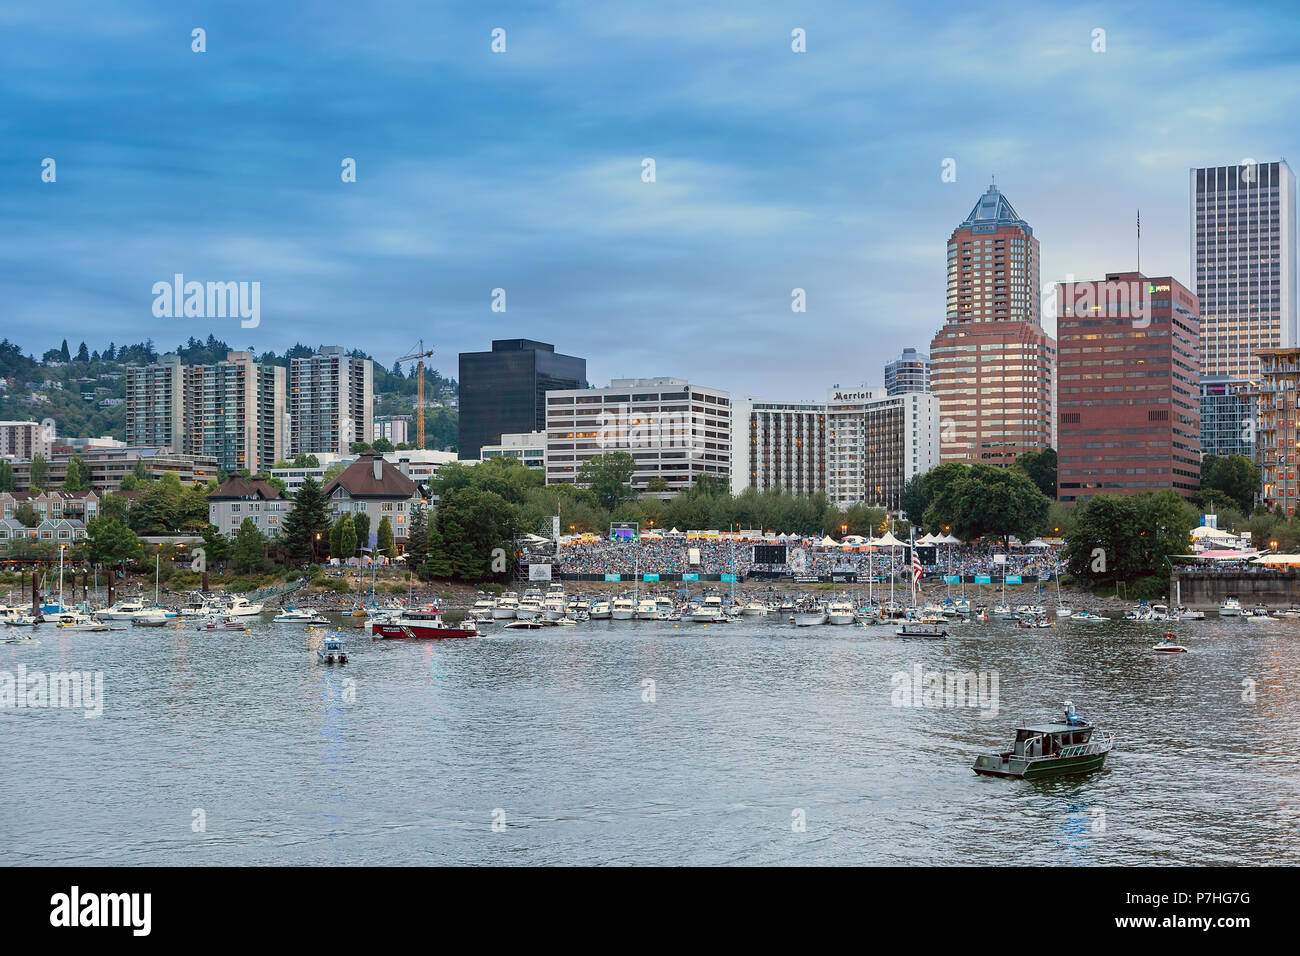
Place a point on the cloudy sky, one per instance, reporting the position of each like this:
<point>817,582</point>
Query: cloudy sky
<point>522,170</point>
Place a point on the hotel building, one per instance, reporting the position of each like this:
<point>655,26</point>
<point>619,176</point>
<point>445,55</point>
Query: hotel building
<point>331,402</point>
<point>1129,387</point>
<point>778,445</point>
<point>875,443</point>
<point>1243,229</point>
<point>674,431</point>
<point>991,363</point>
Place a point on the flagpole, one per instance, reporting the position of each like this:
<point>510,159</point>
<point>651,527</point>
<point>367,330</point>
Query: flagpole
<point>1139,241</point>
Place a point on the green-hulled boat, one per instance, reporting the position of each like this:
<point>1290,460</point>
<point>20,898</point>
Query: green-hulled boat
<point>1045,750</point>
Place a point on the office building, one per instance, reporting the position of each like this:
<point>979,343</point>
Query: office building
<point>676,432</point>
<point>1227,416</point>
<point>503,392</point>
<point>778,445</point>
<point>528,448</point>
<point>1243,245</point>
<point>1128,394</point>
<point>24,440</point>
<point>910,372</point>
<point>1277,397</point>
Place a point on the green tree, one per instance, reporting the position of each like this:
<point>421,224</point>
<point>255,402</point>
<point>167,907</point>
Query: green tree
<point>1123,537</point>
<point>309,519</point>
<point>216,546</point>
<point>248,547</point>
<point>110,542</point>
<point>336,537</point>
<point>385,537</point>
<point>435,566</point>
<point>1040,466</point>
<point>361,525</point>
<point>6,475</point>
<point>64,354</point>
<point>1233,476</point>
<point>417,537</point>
<point>609,477</point>
<point>40,471</point>
<point>74,479</point>
<point>989,501</point>
<point>347,538</point>
<point>25,514</point>
<point>474,527</point>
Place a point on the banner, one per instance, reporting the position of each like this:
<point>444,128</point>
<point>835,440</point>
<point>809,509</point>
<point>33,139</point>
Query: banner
<point>649,578</point>
<point>690,577</point>
<point>983,579</point>
<point>952,579</point>
<point>1013,579</point>
<point>539,572</point>
<point>613,577</point>
<point>727,578</point>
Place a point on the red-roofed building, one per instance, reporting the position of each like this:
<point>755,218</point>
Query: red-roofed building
<point>378,488</point>
<point>239,498</point>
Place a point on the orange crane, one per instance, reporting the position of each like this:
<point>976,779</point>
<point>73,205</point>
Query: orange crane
<point>419,355</point>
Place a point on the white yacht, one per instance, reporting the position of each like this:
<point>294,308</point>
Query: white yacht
<point>809,614</point>
<point>505,607</point>
<point>623,609</point>
<point>298,615</point>
<point>153,617</point>
<point>482,609</point>
<point>707,611</point>
<point>1230,607</point>
<point>647,609</point>
<point>530,606</point>
<point>121,611</point>
<point>754,609</point>
<point>553,606</point>
<point>242,607</point>
<point>840,612</point>
<point>601,610</point>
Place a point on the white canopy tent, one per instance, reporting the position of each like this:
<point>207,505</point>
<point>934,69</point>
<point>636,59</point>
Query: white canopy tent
<point>949,539</point>
<point>888,541</point>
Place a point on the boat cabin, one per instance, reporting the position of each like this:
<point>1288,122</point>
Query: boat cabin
<point>1048,740</point>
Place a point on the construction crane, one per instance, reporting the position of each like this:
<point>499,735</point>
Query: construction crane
<point>419,355</point>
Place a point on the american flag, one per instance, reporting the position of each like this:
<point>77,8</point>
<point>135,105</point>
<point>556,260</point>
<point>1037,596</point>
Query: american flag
<point>916,566</point>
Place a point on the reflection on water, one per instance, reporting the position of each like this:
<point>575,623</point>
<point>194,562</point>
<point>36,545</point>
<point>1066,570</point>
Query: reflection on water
<point>404,754</point>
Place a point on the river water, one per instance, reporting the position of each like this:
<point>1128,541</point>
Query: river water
<point>756,743</point>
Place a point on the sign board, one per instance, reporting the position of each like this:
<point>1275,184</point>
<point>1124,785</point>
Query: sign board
<point>983,579</point>
<point>690,577</point>
<point>999,559</point>
<point>539,572</point>
<point>728,578</point>
<point>769,554</point>
<point>952,579</point>
<point>1013,579</point>
<point>624,531</point>
<point>613,577</point>
<point>693,556</point>
<point>649,578</point>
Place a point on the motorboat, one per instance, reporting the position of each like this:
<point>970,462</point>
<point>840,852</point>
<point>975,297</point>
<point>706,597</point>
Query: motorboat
<point>223,622</point>
<point>530,606</point>
<point>623,609</point>
<point>74,620</point>
<point>1072,746</point>
<point>647,609</point>
<point>153,617</point>
<point>331,650</point>
<point>754,609</point>
<point>553,607</point>
<point>1230,607</point>
<point>505,607</point>
<point>482,609</point>
<point>601,610</point>
<point>1169,645</point>
<point>121,611</point>
<point>298,615</point>
<point>1087,616</point>
<point>242,607</point>
<point>809,615</point>
<point>707,611</point>
<point>427,625</point>
<point>920,630</point>
<point>840,613</point>
<point>1185,613</point>
<point>528,624</point>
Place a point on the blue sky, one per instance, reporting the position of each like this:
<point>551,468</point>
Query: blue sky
<point>522,170</point>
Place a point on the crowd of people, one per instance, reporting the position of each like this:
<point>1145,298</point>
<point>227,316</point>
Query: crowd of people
<point>711,556</point>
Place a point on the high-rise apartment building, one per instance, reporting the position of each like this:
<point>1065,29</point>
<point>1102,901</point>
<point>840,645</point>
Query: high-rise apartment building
<point>331,402</point>
<point>1277,431</point>
<point>778,445</point>
<point>910,372</point>
<point>876,443</point>
<point>991,363</point>
<point>24,440</point>
<point>155,404</point>
<point>1128,392</point>
<point>503,392</point>
<point>1243,228</point>
<point>1227,416</point>
<point>674,431</point>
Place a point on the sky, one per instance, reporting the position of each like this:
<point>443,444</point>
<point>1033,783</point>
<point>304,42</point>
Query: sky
<point>522,170</point>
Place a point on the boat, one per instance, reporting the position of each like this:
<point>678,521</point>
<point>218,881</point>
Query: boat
<point>482,610</point>
<point>708,611</point>
<point>1072,746</point>
<point>1140,613</point>
<point>121,611</point>
<point>647,609</point>
<point>242,607</point>
<point>505,607</point>
<point>1230,607</point>
<point>553,607</point>
<point>223,622</point>
<point>1291,611</point>
<point>840,612</point>
<point>601,610</point>
<point>528,624</point>
<point>1169,645</point>
<point>74,620</point>
<point>754,609</point>
<point>623,609</point>
<point>153,617</point>
<point>331,650</point>
<point>1184,613</point>
<point>920,630</point>
<point>1086,616</point>
<point>427,625</point>
<point>298,615</point>
<point>808,615</point>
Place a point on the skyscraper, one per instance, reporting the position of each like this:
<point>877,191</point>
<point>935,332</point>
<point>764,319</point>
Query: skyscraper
<point>331,402</point>
<point>1128,387</point>
<point>991,363</point>
<point>1243,227</point>
<point>910,372</point>
<point>503,392</point>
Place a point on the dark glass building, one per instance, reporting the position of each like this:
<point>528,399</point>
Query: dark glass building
<point>502,392</point>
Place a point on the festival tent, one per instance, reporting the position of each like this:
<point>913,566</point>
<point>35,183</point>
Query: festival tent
<point>1287,559</point>
<point>674,531</point>
<point>925,539</point>
<point>1207,535</point>
<point>1038,543</point>
<point>949,539</point>
<point>888,541</point>
<point>828,542</point>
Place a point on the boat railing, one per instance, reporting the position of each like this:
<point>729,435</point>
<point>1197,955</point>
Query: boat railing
<point>1101,742</point>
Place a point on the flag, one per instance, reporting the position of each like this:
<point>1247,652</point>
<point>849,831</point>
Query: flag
<point>916,566</point>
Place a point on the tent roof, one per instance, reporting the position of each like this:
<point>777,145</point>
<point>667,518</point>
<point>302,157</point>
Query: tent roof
<point>1206,532</point>
<point>828,542</point>
<point>950,539</point>
<point>888,541</point>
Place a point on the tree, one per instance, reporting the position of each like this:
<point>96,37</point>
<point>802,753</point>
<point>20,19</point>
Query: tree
<point>309,519</point>
<point>385,537</point>
<point>989,501</point>
<point>83,353</point>
<point>435,565</point>
<point>382,445</point>
<point>361,523</point>
<point>608,477</point>
<point>64,354</point>
<point>40,471</point>
<point>6,475</point>
<point>417,537</point>
<point>336,538</point>
<point>248,547</point>
<point>474,526</point>
<point>347,538</point>
<point>25,514</point>
<point>74,479</point>
<point>1040,466</point>
<point>110,542</point>
<point>1233,476</point>
<point>216,546</point>
<point>1122,537</point>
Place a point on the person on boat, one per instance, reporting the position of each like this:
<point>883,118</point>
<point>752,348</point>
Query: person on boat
<point>1072,718</point>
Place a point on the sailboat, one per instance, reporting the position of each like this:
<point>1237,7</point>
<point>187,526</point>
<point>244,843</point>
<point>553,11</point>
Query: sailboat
<point>157,615</point>
<point>1062,610</point>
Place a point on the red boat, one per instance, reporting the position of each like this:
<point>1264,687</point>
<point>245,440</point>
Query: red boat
<point>419,626</point>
